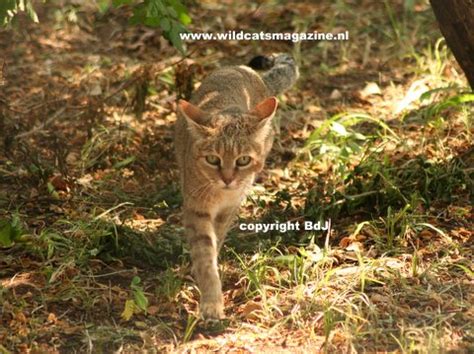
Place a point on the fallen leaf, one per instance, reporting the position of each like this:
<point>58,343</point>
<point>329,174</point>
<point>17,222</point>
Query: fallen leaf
<point>128,310</point>
<point>426,234</point>
<point>59,183</point>
<point>137,216</point>
<point>85,180</point>
<point>335,95</point>
<point>72,158</point>
<point>52,318</point>
<point>355,246</point>
<point>346,241</point>
<point>371,89</point>
<point>153,310</point>
<point>141,325</point>
<point>413,94</point>
<point>250,310</point>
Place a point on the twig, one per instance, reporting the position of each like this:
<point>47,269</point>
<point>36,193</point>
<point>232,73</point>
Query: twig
<point>45,103</point>
<point>131,81</point>
<point>122,87</point>
<point>45,124</point>
<point>113,273</point>
<point>111,209</point>
<point>8,173</point>
<point>10,108</point>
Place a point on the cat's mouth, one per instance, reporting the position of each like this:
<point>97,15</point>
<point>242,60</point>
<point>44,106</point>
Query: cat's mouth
<point>230,187</point>
<point>221,185</point>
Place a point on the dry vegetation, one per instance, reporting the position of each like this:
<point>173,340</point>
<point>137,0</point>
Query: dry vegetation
<point>90,203</point>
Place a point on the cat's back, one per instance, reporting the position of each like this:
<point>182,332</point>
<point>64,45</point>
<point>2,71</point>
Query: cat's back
<point>230,85</point>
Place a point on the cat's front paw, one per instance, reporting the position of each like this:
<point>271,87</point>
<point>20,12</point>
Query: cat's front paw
<point>212,310</point>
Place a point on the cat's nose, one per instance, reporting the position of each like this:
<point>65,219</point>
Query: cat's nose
<point>227,176</point>
<point>227,179</point>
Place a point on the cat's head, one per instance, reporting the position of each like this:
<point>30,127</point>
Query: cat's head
<point>229,148</point>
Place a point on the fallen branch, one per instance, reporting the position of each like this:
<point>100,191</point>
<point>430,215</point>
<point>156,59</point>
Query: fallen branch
<point>43,125</point>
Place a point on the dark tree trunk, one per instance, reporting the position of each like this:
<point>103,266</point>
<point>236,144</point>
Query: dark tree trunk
<point>456,21</point>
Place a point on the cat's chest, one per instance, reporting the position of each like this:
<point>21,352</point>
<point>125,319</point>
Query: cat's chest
<point>227,200</point>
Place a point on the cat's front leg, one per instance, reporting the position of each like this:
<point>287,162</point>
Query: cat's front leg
<point>222,224</point>
<point>202,241</point>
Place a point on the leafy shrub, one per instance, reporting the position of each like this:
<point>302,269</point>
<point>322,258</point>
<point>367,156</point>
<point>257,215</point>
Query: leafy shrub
<point>169,15</point>
<point>9,8</point>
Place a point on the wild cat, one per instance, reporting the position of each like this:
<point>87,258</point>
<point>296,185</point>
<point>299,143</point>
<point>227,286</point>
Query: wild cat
<point>222,138</point>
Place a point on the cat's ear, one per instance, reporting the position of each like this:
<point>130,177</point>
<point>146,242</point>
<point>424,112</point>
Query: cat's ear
<point>194,116</point>
<point>265,109</point>
<point>191,112</point>
<point>264,112</point>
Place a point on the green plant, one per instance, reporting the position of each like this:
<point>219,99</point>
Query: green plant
<point>170,285</point>
<point>455,102</point>
<point>169,15</point>
<point>10,231</point>
<point>339,141</point>
<point>138,304</point>
<point>10,8</point>
<point>433,60</point>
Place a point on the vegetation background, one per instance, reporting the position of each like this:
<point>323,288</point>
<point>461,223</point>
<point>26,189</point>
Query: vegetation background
<point>377,137</point>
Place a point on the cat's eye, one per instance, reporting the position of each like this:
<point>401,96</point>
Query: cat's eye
<point>243,161</point>
<point>213,160</point>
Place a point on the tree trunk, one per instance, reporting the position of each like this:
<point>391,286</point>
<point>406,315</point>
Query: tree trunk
<point>456,21</point>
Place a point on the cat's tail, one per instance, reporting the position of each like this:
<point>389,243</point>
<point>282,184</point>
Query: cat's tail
<point>282,71</point>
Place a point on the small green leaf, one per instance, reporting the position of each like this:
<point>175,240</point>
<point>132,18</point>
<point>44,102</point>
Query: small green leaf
<point>165,24</point>
<point>31,12</point>
<point>152,22</point>
<point>178,6</point>
<point>359,136</point>
<point>139,15</point>
<point>184,18</point>
<point>287,258</point>
<point>135,281</point>
<point>7,8</point>
<point>409,5</point>
<point>124,162</point>
<point>152,10</point>
<point>50,187</point>
<point>466,270</point>
<point>140,299</point>
<point>427,95</point>
<point>5,234</point>
<point>172,12</point>
<point>129,310</point>
<point>161,8</point>
<point>190,326</point>
<point>16,228</point>
<point>52,190</point>
<point>339,129</point>
<point>10,231</point>
<point>464,98</point>
<point>174,37</point>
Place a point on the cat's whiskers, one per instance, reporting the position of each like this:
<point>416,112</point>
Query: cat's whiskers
<point>229,124</point>
<point>197,192</point>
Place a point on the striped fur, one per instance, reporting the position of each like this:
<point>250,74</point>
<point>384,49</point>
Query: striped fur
<point>229,117</point>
